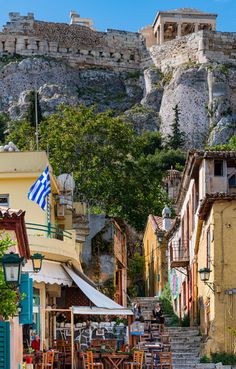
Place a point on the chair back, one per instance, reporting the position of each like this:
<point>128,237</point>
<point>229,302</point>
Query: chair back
<point>165,358</point>
<point>49,358</point>
<point>165,339</point>
<point>138,358</point>
<point>88,360</point>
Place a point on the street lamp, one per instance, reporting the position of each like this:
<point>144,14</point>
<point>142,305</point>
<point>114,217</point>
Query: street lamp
<point>160,237</point>
<point>205,276</point>
<point>37,260</point>
<point>12,265</point>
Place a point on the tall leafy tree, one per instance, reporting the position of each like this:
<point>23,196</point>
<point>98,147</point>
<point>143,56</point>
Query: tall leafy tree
<point>112,166</point>
<point>176,139</point>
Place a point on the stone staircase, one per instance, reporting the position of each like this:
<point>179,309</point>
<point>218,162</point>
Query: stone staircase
<point>147,304</point>
<point>185,341</point>
<point>185,346</point>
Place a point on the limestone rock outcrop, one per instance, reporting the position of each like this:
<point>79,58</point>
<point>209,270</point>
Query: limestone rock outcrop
<point>204,93</point>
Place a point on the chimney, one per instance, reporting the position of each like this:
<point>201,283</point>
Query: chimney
<point>166,218</point>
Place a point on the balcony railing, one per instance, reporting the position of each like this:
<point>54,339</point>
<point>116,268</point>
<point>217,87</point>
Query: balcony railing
<point>48,231</point>
<point>179,255</point>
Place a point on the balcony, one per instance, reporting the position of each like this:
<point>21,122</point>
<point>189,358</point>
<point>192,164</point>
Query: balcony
<point>53,242</point>
<point>179,255</point>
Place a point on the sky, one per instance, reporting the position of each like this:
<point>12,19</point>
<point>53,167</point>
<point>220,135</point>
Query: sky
<point>129,15</point>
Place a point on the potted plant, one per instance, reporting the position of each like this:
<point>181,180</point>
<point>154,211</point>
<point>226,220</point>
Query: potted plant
<point>29,356</point>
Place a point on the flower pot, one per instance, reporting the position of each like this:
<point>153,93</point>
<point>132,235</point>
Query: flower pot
<point>29,359</point>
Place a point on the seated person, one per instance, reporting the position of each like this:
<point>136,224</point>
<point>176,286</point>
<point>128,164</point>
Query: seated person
<point>35,344</point>
<point>158,314</point>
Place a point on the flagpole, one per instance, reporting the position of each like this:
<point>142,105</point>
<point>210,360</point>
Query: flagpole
<point>49,216</point>
<point>36,120</point>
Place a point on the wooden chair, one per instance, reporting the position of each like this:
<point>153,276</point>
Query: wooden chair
<point>137,362</point>
<point>89,363</point>
<point>41,360</point>
<point>49,360</point>
<point>148,360</point>
<point>165,360</point>
<point>165,340</point>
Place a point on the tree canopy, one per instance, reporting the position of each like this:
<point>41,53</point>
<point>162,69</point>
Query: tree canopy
<point>112,165</point>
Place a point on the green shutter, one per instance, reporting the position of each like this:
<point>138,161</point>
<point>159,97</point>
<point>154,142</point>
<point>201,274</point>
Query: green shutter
<point>4,345</point>
<point>26,304</point>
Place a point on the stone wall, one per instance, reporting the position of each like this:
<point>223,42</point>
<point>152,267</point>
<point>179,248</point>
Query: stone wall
<point>115,49</point>
<point>77,44</point>
<point>200,47</point>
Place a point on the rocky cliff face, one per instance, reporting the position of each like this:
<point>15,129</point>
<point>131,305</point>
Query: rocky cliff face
<point>205,94</point>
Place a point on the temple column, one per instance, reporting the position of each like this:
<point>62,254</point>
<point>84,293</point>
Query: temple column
<point>196,27</point>
<point>179,30</point>
<point>162,34</point>
<point>158,36</point>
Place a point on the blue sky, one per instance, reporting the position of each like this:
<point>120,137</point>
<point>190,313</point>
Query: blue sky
<point>128,15</point>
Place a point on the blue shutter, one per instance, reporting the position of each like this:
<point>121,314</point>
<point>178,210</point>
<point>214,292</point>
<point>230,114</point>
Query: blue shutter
<point>26,304</point>
<point>4,345</point>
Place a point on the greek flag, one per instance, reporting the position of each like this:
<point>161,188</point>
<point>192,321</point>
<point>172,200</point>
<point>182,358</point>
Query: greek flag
<point>41,189</point>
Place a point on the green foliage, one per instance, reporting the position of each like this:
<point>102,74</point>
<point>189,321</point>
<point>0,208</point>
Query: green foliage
<point>231,146</point>
<point>166,304</point>
<point>3,126</point>
<point>177,138</point>
<point>223,357</point>
<point>8,297</point>
<point>31,113</point>
<point>135,274</point>
<point>133,75</point>
<point>223,69</point>
<point>22,133</point>
<point>108,288</point>
<point>185,322</point>
<point>205,359</point>
<point>6,59</point>
<point>111,164</point>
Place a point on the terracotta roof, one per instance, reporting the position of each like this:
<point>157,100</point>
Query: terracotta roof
<point>10,213</point>
<point>194,158</point>
<point>14,220</point>
<point>157,222</point>
<point>209,199</point>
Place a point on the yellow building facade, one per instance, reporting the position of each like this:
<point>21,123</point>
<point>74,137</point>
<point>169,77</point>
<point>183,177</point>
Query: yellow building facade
<point>155,246</point>
<point>201,248</point>
<point>217,298</point>
<point>58,244</point>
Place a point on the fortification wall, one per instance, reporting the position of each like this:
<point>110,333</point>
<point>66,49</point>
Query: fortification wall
<point>113,49</point>
<point>77,44</point>
<point>201,47</point>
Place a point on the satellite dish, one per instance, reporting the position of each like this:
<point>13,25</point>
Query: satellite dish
<point>66,182</point>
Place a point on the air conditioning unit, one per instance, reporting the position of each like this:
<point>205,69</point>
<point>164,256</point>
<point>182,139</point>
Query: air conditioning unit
<point>60,211</point>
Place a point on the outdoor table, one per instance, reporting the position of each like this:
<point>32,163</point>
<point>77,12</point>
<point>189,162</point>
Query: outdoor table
<point>113,360</point>
<point>153,347</point>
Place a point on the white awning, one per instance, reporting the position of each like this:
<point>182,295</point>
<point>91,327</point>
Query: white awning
<point>96,297</point>
<point>86,310</point>
<point>51,272</point>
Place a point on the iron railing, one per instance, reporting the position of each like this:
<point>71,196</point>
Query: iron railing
<point>48,231</point>
<point>179,252</point>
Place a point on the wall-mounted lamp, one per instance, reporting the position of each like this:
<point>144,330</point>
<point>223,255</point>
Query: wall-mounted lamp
<point>12,265</point>
<point>160,237</point>
<point>205,276</point>
<point>37,260</point>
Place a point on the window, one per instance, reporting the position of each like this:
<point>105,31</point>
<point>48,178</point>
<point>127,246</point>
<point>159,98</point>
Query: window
<point>232,181</point>
<point>218,168</point>
<point>208,248</point>
<point>4,200</point>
